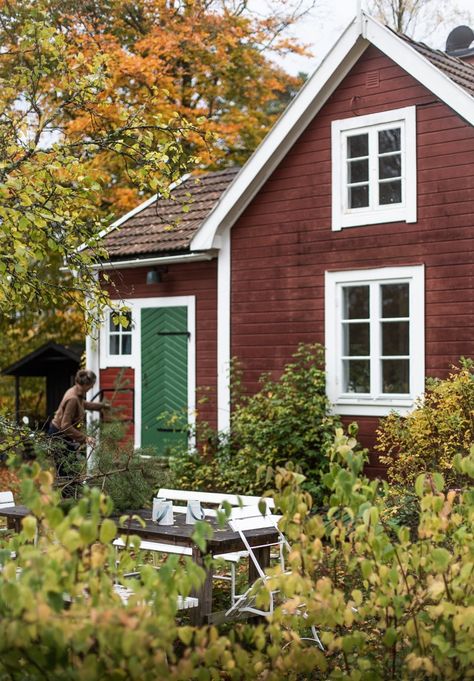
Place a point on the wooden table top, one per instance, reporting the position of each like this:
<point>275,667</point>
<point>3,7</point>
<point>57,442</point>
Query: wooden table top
<point>224,540</point>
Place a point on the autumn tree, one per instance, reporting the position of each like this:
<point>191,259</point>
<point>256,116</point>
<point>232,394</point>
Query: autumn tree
<point>51,181</point>
<point>95,95</point>
<point>202,59</point>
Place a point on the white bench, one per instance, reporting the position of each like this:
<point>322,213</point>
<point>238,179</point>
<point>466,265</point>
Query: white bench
<point>212,498</point>
<point>6,499</point>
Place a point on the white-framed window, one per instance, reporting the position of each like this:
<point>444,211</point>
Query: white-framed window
<point>374,337</point>
<point>119,333</point>
<point>374,169</point>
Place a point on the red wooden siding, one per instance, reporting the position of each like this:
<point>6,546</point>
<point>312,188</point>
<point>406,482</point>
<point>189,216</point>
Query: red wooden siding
<point>117,384</point>
<point>283,244</point>
<point>186,279</point>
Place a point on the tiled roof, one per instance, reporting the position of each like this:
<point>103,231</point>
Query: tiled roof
<point>459,71</point>
<point>168,225</point>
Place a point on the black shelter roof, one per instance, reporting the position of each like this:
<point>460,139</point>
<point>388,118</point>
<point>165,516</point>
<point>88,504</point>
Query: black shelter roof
<point>45,360</point>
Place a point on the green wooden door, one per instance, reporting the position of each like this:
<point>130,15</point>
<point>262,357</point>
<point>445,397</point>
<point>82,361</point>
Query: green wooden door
<point>164,357</point>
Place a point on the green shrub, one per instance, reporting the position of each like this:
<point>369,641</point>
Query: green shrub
<point>441,426</point>
<point>128,476</point>
<point>388,606</point>
<point>287,420</point>
<point>389,603</point>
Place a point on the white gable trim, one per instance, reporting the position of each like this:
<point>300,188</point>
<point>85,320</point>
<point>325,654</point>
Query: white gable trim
<point>333,69</point>
<point>335,66</point>
<point>420,68</point>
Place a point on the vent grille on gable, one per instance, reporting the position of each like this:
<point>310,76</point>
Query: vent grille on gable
<point>372,79</point>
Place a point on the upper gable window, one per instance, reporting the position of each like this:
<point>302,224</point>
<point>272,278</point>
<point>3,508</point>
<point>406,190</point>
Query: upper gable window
<point>374,169</point>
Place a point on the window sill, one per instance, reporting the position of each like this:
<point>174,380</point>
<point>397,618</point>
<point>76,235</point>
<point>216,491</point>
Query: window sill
<point>354,406</point>
<point>373,218</point>
<point>117,361</point>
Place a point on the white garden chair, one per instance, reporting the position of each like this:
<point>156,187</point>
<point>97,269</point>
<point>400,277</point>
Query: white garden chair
<point>183,602</point>
<point>6,501</point>
<point>217,499</point>
<point>251,519</point>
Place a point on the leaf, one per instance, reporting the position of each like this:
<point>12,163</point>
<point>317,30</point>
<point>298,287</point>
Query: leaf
<point>420,485</point>
<point>30,527</point>
<point>186,635</point>
<point>441,558</point>
<point>108,531</point>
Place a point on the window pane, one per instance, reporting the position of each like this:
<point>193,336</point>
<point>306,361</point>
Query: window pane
<point>359,197</point>
<point>395,338</point>
<point>357,145</point>
<point>356,302</point>
<point>389,140</point>
<point>389,166</point>
<point>356,376</point>
<point>114,346</point>
<point>390,192</point>
<point>395,376</point>
<point>356,340</point>
<point>126,344</point>
<point>395,300</point>
<point>358,171</point>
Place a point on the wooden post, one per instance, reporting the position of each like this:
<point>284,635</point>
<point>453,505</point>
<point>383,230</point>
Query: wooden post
<point>17,399</point>
<point>200,615</point>
<point>263,557</point>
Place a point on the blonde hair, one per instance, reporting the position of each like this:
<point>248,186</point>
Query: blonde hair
<point>85,377</point>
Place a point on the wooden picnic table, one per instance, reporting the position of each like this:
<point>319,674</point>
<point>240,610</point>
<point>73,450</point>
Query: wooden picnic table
<point>224,540</point>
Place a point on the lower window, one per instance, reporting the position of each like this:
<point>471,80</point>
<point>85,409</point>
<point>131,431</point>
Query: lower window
<point>375,339</point>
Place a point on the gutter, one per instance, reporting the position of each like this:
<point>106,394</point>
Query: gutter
<point>163,260</point>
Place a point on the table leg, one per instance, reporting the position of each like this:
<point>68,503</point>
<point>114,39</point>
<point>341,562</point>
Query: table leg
<point>14,524</point>
<point>263,557</point>
<point>200,614</point>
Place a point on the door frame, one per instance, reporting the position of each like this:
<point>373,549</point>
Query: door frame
<point>134,360</point>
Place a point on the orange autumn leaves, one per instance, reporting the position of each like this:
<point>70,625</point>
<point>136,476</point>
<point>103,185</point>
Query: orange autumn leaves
<point>200,61</point>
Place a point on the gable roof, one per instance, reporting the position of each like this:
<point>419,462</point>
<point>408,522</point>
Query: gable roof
<point>164,226</point>
<point>449,78</point>
<point>50,358</point>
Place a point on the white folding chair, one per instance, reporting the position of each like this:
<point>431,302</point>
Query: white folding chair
<point>251,519</point>
<point>183,602</point>
<point>7,501</point>
<point>217,499</point>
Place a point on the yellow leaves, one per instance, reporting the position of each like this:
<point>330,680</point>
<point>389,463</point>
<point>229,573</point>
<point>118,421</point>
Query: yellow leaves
<point>30,527</point>
<point>418,663</point>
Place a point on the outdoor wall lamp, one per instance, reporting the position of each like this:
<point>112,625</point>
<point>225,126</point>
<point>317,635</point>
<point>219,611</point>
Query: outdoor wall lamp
<point>155,275</point>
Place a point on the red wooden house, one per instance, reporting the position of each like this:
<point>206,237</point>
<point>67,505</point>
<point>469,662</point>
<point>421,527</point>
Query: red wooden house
<point>351,225</point>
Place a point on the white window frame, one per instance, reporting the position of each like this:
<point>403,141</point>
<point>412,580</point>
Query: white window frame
<point>135,305</point>
<point>406,211</point>
<point>120,332</point>
<point>375,403</point>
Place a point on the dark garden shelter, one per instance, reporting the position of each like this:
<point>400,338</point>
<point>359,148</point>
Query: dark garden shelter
<point>57,363</point>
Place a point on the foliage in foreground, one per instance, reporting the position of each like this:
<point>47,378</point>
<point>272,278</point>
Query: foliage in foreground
<point>287,420</point>
<point>429,438</point>
<point>50,185</point>
<point>127,475</point>
<point>387,607</point>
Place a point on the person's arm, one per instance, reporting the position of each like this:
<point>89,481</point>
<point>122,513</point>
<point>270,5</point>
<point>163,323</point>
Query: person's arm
<point>95,406</point>
<point>69,422</point>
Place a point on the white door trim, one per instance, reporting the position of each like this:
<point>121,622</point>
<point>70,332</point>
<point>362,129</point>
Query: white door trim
<point>134,360</point>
